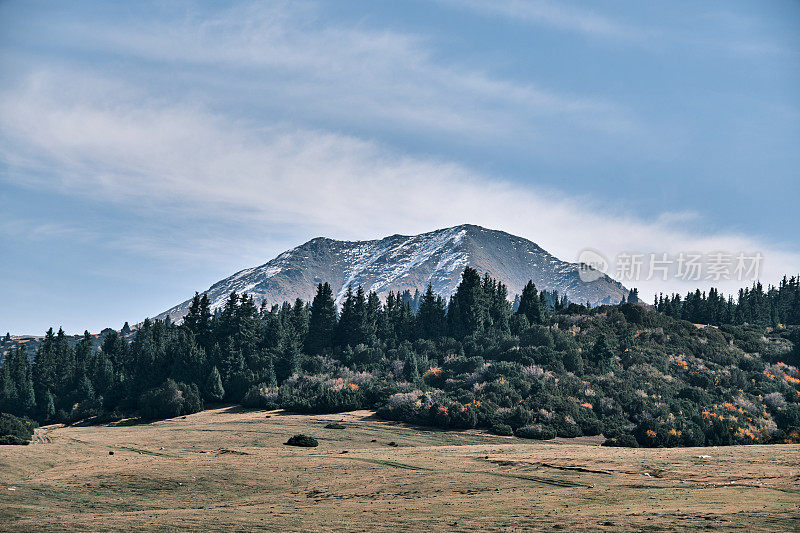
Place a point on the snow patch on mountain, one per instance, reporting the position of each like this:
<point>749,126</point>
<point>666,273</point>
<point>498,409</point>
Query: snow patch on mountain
<point>398,263</point>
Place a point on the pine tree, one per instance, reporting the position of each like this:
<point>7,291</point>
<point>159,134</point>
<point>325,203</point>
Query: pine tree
<point>203,324</point>
<point>47,407</point>
<point>45,366</point>
<point>322,322</point>
<point>602,356</point>
<point>300,320</point>
<point>271,379</point>
<point>346,326</point>
<point>354,327</point>
<point>633,296</point>
<point>17,396</point>
<point>114,348</point>
<point>214,390</point>
<point>371,319</point>
<point>431,319</point>
<point>530,304</point>
<point>83,354</point>
<point>27,397</point>
<point>499,308</point>
<point>411,367</point>
<point>192,319</point>
<point>85,390</point>
<point>359,330</point>
<point>467,311</point>
<point>8,390</point>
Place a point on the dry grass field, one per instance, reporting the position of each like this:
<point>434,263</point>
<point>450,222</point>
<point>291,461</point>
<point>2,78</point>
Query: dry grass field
<point>227,469</point>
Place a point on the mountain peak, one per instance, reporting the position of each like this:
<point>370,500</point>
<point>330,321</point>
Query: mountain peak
<point>410,262</point>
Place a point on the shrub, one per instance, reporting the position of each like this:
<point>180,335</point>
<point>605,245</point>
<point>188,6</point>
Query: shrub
<point>335,425</point>
<point>536,336</point>
<point>13,440</point>
<point>502,429</point>
<point>313,394</point>
<point>452,415</point>
<point>15,430</point>
<point>775,401</point>
<point>694,395</point>
<point>261,397</point>
<point>573,361</point>
<point>635,314</point>
<point>87,412</point>
<point>567,430</point>
<point>626,440</point>
<point>169,400</point>
<point>192,401</point>
<point>535,431</point>
<point>302,440</point>
<point>788,417</point>
<point>591,426</point>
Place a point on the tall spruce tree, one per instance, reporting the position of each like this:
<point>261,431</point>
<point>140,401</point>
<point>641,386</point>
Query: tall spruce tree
<point>467,311</point>
<point>322,322</point>
<point>530,304</point>
<point>601,353</point>
<point>213,389</point>
<point>431,318</point>
<point>633,296</point>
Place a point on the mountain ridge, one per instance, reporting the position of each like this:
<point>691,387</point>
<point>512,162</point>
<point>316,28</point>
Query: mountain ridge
<point>409,262</point>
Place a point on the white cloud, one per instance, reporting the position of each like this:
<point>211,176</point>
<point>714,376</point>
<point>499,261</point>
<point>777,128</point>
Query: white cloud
<point>231,183</point>
<point>281,54</point>
<point>169,160</point>
<point>725,31</point>
<point>559,15</point>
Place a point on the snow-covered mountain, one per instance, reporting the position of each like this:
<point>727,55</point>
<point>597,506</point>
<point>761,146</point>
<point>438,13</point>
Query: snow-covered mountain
<point>400,262</point>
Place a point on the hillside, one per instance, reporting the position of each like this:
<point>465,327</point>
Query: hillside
<point>633,374</point>
<point>398,263</point>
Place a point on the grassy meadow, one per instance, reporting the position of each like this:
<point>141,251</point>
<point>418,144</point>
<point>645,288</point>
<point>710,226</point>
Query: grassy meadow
<point>228,469</point>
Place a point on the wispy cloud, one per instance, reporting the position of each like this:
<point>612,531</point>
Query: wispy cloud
<point>720,29</point>
<point>558,15</point>
<point>34,230</point>
<point>170,160</point>
<point>282,55</point>
<point>262,138</point>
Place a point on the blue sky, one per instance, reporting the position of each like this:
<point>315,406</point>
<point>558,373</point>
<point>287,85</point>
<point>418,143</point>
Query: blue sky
<point>150,149</point>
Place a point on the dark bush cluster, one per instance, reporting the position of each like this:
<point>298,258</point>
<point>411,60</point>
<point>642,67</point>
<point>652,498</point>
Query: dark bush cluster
<point>304,441</point>
<point>170,400</point>
<point>535,431</point>
<point>15,430</point>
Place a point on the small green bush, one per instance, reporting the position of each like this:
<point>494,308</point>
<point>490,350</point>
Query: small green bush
<point>502,429</point>
<point>261,397</point>
<point>13,440</point>
<point>302,440</point>
<point>335,425</point>
<point>536,431</point>
<point>15,430</point>
<point>626,440</point>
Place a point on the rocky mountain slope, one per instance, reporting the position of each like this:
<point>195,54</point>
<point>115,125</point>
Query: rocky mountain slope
<point>400,262</point>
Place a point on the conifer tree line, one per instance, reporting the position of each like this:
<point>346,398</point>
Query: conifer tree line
<point>216,356</point>
<point>773,306</point>
<point>537,367</point>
